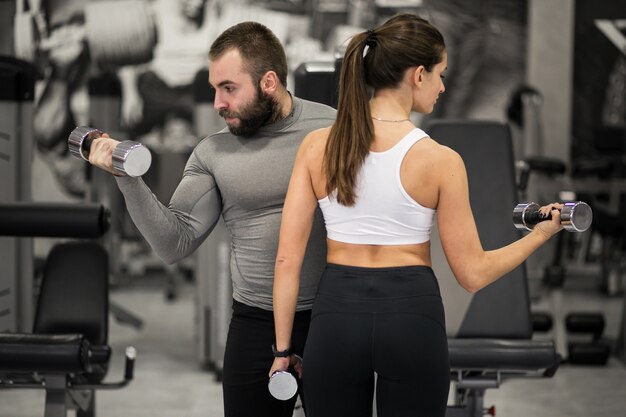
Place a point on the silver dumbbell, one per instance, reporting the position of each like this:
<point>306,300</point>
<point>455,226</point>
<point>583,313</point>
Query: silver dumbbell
<point>283,385</point>
<point>129,157</point>
<point>575,216</point>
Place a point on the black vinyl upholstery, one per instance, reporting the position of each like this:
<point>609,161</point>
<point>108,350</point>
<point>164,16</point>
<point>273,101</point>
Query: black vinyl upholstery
<point>502,354</point>
<point>503,308</point>
<point>74,296</point>
<point>493,340</point>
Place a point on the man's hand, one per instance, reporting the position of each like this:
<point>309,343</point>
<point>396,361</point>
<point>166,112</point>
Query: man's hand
<point>101,154</point>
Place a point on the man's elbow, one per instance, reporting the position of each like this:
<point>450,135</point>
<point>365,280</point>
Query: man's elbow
<point>170,257</point>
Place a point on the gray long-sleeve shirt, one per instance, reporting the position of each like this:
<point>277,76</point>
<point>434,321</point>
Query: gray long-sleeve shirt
<point>246,180</point>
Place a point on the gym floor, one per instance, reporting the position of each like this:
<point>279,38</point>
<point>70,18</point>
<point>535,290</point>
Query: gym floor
<point>170,382</point>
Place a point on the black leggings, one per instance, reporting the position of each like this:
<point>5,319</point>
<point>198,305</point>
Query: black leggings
<point>388,321</point>
<point>248,358</point>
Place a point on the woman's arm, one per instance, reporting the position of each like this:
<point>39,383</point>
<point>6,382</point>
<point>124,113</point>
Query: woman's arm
<point>473,267</point>
<point>295,228</point>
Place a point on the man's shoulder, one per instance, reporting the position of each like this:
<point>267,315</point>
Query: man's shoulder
<point>318,110</point>
<point>215,137</point>
<point>214,141</point>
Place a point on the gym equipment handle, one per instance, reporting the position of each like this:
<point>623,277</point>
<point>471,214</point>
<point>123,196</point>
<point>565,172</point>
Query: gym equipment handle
<point>129,157</point>
<point>575,216</point>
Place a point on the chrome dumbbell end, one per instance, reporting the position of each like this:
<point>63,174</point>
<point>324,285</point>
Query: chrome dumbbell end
<point>520,215</point>
<point>283,385</point>
<point>80,139</point>
<point>576,216</point>
<point>132,158</point>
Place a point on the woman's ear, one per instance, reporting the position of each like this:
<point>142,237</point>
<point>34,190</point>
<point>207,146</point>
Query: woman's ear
<point>418,75</point>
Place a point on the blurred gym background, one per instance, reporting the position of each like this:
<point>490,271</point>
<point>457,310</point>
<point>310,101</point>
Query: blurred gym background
<point>552,71</point>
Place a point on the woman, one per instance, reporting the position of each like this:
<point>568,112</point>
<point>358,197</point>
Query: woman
<point>379,182</point>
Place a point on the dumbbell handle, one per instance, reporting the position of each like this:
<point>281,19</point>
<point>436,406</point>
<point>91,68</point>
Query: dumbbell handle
<point>575,216</point>
<point>129,157</point>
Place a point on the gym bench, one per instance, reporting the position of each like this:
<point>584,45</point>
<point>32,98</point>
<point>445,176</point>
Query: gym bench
<point>67,354</point>
<point>481,364</point>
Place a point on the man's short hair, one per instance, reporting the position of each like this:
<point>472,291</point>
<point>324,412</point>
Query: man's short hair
<point>260,49</point>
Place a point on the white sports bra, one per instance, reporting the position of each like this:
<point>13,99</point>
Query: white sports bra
<point>384,213</point>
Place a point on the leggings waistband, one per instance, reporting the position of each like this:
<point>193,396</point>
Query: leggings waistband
<point>384,282</point>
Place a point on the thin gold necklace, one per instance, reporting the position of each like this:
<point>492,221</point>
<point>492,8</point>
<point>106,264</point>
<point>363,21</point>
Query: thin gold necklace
<point>390,121</point>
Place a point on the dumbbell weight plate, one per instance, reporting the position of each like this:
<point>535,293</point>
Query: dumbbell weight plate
<point>576,217</point>
<point>76,141</point>
<point>519,215</point>
<point>283,385</point>
<point>132,158</point>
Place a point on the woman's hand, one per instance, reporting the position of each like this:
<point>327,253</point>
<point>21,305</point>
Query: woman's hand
<point>550,227</point>
<point>281,364</point>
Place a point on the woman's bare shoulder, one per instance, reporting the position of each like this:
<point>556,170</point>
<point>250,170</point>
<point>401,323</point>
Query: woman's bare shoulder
<point>435,152</point>
<point>314,143</point>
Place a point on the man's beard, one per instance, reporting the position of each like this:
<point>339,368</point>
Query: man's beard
<point>262,110</point>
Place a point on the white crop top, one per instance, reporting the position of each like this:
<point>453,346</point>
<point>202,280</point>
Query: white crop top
<point>384,213</point>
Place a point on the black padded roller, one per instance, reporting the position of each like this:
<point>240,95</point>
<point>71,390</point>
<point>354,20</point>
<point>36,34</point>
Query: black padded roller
<point>30,219</point>
<point>27,352</point>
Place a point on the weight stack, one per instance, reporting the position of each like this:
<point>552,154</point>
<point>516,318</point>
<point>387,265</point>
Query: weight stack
<point>593,352</point>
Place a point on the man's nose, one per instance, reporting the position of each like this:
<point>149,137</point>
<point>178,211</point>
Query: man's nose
<point>218,103</point>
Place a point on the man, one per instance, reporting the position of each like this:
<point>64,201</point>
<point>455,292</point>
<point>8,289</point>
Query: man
<point>241,172</point>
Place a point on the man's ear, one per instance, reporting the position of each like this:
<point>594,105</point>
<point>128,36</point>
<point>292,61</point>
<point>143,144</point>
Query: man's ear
<point>269,82</point>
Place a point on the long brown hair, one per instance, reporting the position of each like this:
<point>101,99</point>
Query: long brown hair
<point>373,60</point>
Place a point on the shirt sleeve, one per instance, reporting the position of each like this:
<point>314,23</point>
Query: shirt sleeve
<point>176,230</point>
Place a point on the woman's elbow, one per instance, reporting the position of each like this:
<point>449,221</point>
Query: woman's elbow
<point>286,266</point>
<point>471,282</point>
<point>282,264</point>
